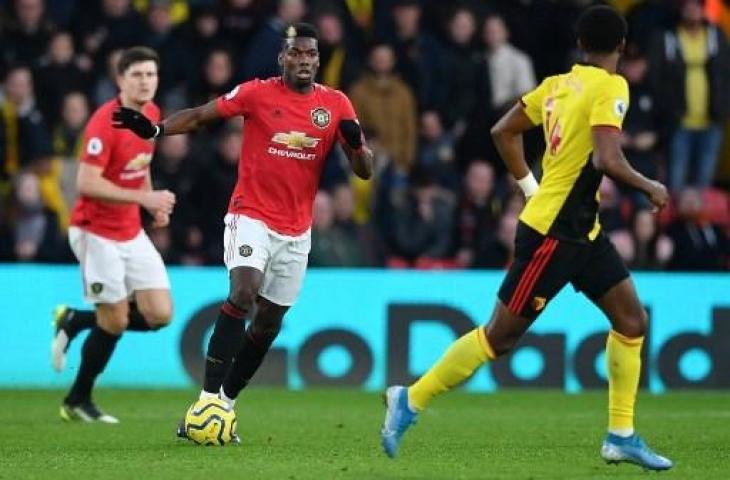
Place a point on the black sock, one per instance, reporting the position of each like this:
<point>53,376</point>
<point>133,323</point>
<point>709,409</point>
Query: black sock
<point>137,322</point>
<point>247,361</point>
<point>79,320</point>
<point>224,343</point>
<point>95,354</point>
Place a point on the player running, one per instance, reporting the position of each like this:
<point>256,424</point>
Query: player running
<point>559,239</point>
<point>123,274</point>
<point>291,123</point>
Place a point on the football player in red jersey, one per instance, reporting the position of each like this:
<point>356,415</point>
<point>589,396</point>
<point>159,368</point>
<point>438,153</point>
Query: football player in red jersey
<point>123,274</point>
<point>291,123</point>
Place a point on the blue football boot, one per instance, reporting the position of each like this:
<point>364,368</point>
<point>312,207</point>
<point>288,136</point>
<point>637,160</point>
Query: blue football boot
<point>617,449</point>
<point>398,417</point>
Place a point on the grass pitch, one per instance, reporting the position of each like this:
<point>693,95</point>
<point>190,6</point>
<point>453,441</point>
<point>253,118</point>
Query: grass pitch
<point>330,434</point>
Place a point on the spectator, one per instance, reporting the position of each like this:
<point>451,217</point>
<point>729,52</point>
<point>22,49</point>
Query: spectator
<point>374,200</point>
<point>60,71</point>
<point>386,105</point>
<point>500,248</point>
<point>503,75</point>
<point>691,72</point>
<point>67,141</point>
<point>174,169</point>
<point>106,85</point>
<point>510,70</point>
<point>27,35</point>
<point>217,77</point>
<point>48,170</point>
<point>652,249</point>
<point>202,35</point>
<point>61,12</point>
<point>338,62</point>
<point>259,60</point>
<point>477,216</point>
<point>22,129</point>
<point>332,246</point>
<point>640,134</point>
<point>179,9</point>
<point>162,239</point>
<point>36,233</point>
<point>610,207</point>
<point>462,67</point>
<point>239,19</point>
<point>343,198</point>
<point>420,57</point>
<point>698,244</point>
<point>422,226</point>
<point>436,150</point>
<point>171,168</point>
<point>116,26</point>
<point>212,190</point>
<point>159,35</point>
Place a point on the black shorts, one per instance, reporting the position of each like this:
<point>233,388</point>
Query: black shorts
<point>543,265</point>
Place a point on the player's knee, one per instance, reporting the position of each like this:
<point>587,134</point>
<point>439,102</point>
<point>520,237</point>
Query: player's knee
<point>115,322</point>
<point>502,346</point>
<point>158,315</point>
<point>243,296</point>
<point>632,324</point>
<point>636,324</point>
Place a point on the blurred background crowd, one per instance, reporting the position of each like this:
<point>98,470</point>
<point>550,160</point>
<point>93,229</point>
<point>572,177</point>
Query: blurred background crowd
<point>427,79</point>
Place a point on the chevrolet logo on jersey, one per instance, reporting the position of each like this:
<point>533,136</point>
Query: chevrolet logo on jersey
<point>136,167</point>
<point>295,140</point>
<point>139,162</point>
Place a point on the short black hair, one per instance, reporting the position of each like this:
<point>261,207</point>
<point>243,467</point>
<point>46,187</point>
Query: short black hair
<point>601,29</point>
<point>136,55</point>
<point>299,30</point>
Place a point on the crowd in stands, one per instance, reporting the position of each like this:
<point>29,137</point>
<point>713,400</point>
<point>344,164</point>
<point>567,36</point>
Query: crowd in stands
<point>427,79</point>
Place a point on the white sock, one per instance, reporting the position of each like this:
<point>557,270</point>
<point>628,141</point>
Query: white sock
<point>230,401</point>
<point>621,432</point>
<point>204,395</point>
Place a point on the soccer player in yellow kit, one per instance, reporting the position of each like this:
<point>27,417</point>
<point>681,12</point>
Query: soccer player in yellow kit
<point>559,239</point>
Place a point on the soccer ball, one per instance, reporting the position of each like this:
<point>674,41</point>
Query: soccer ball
<point>210,421</point>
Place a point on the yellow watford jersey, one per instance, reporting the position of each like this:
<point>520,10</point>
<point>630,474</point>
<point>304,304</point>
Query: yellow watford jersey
<point>568,106</point>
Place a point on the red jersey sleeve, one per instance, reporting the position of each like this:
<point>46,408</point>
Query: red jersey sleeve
<point>239,100</point>
<point>98,140</point>
<point>347,111</point>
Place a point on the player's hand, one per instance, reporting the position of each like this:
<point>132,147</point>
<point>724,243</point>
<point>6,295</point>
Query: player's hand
<point>351,133</point>
<point>160,219</point>
<point>658,195</point>
<point>158,201</point>
<point>135,121</point>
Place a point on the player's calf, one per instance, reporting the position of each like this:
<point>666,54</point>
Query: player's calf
<point>67,323</point>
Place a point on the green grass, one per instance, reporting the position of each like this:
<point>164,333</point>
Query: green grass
<point>329,434</point>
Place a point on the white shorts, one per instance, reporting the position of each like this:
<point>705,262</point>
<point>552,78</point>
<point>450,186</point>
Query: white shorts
<point>282,259</point>
<point>112,270</point>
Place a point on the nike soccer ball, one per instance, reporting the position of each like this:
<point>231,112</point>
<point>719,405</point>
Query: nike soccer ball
<point>210,421</point>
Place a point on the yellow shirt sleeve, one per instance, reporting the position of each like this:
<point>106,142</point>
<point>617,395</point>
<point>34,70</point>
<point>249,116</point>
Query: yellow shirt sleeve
<point>532,102</point>
<point>611,103</point>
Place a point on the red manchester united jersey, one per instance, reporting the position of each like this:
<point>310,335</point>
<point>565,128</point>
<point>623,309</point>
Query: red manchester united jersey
<point>287,136</point>
<point>125,159</point>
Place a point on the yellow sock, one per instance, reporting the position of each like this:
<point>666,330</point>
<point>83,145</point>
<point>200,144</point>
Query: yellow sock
<point>623,362</point>
<point>459,362</point>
